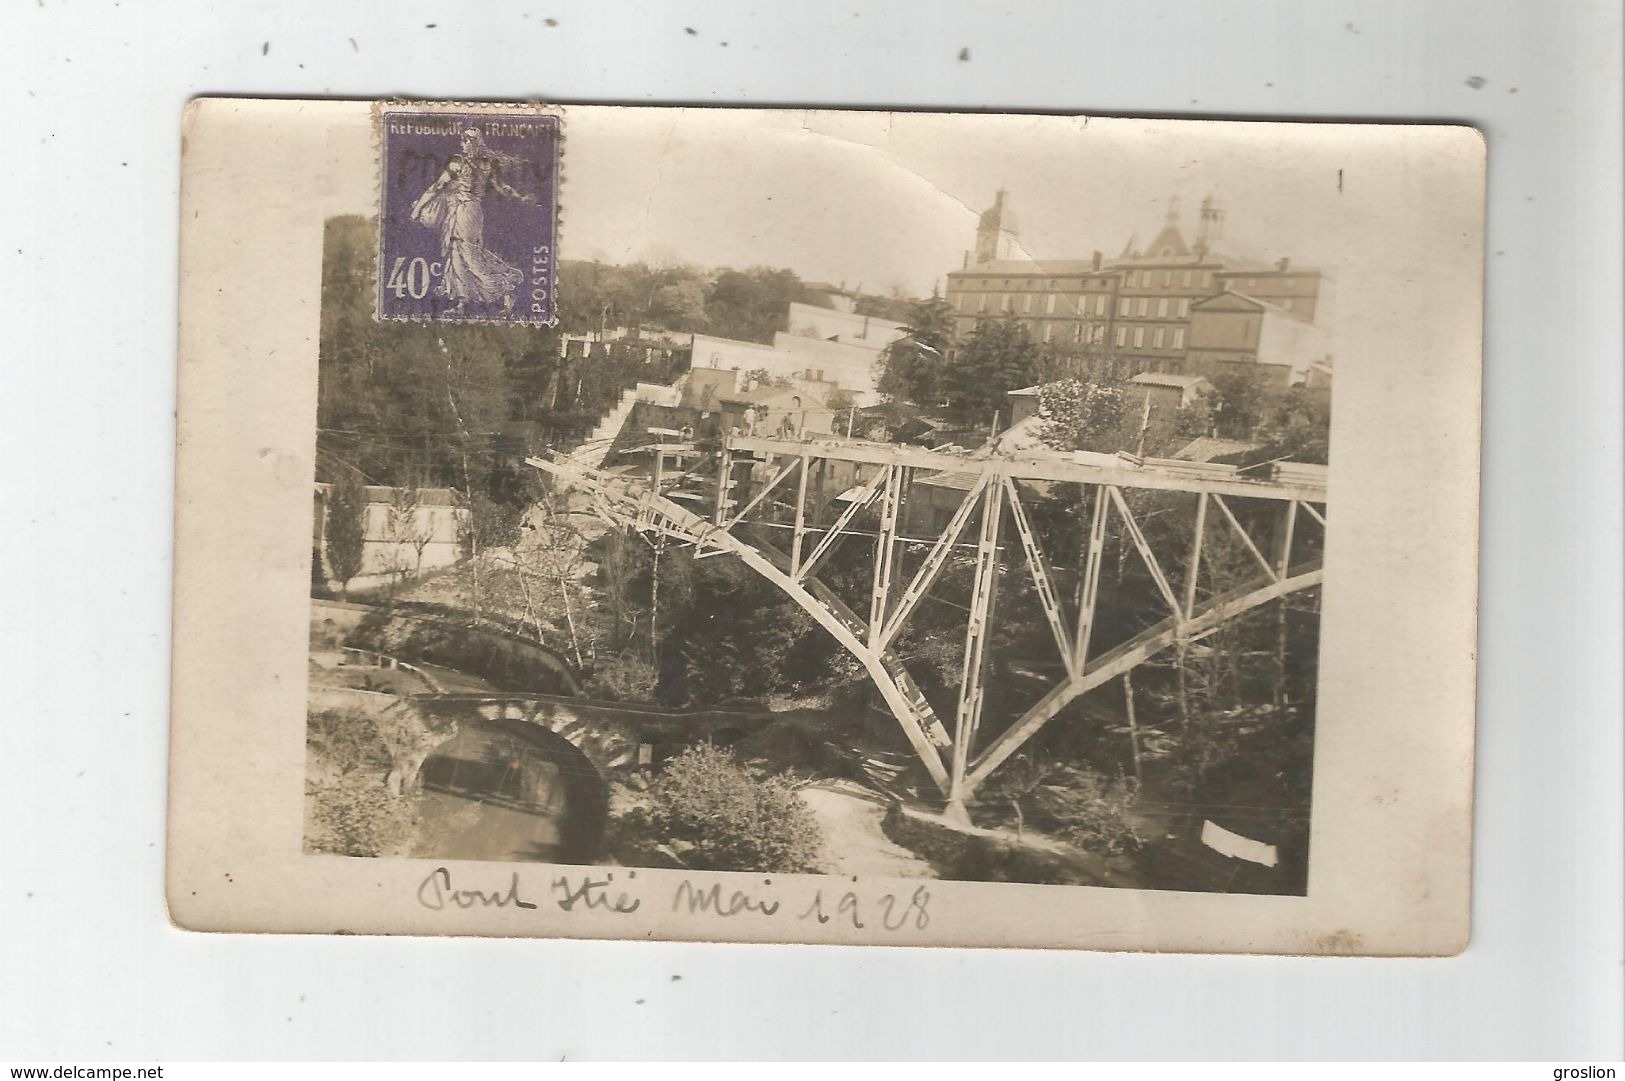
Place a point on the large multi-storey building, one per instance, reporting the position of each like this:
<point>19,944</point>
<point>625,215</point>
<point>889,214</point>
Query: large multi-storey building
<point>1134,311</point>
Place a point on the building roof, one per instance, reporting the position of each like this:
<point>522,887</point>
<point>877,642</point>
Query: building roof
<point>1267,307</point>
<point>383,493</point>
<point>1168,379</point>
<point>1043,267</point>
<point>1209,448</point>
<point>1022,436</point>
<point>1024,391</point>
<point>962,482</point>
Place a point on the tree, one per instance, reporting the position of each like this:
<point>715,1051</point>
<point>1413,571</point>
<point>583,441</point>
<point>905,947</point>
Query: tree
<point>996,358</point>
<point>1243,402</point>
<point>1298,425</point>
<point>1078,415</point>
<point>721,817</point>
<point>679,304</point>
<point>750,305</point>
<point>346,535</point>
<point>912,368</point>
<point>403,527</point>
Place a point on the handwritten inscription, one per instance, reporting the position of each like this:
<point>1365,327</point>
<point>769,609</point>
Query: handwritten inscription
<point>593,894</point>
<point>435,892</point>
<point>600,892</point>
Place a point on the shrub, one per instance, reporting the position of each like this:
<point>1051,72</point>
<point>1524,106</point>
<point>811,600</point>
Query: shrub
<point>723,818</point>
<point>354,814</point>
<point>1094,811</point>
<point>352,810</point>
<point>621,677</point>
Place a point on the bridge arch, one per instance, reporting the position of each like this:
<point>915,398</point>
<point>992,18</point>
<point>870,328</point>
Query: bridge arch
<point>995,492</point>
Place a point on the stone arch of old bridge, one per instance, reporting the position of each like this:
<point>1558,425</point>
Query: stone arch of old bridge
<point>756,485</point>
<point>609,735</point>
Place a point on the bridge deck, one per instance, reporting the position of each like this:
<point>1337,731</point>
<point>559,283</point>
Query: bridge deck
<point>1306,486</point>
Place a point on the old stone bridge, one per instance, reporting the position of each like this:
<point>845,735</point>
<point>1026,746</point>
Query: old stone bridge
<point>619,739</point>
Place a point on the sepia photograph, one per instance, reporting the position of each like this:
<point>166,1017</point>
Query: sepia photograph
<point>872,533</point>
<point>785,523</point>
<point>904,528</point>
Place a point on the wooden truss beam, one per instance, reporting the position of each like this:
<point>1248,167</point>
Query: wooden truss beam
<point>1043,582</point>
<point>977,628</point>
<point>865,495</point>
<point>1135,651</point>
<point>934,560</point>
<point>1123,474</point>
<point>683,524</point>
<point>1247,540</point>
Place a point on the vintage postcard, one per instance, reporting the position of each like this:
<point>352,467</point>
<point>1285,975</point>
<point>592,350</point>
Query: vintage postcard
<point>826,527</point>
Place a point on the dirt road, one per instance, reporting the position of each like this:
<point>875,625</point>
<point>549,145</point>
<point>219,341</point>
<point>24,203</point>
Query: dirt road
<point>854,843</point>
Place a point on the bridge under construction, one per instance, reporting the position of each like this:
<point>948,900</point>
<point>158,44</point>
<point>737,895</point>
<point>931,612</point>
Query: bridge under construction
<point>762,500</point>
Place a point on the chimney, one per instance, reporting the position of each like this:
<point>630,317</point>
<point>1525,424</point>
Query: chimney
<point>1283,264</point>
<point>1094,260</point>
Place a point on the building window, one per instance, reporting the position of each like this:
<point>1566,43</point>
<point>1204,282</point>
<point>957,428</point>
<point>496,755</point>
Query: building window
<point>1049,304</point>
<point>1185,279</point>
<point>1167,278</point>
<point>1139,337</point>
<point>1049,331</point>
<point>1184,307</point>
<point>1100,304</point>
<point>1122,336</point>
<point>1145,306</point>
<point>1179,337</point>
<point>1156,339</point>
<point>1162,307</point>
<point>1128,280</point>
<point>1122,306</point>
<point>1098,335</point>
<point>982,307</point>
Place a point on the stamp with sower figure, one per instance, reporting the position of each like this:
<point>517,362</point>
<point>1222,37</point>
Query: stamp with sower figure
<point>468,222</point>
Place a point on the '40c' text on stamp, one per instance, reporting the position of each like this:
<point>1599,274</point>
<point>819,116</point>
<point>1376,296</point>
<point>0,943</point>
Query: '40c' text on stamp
<point>468,222</point>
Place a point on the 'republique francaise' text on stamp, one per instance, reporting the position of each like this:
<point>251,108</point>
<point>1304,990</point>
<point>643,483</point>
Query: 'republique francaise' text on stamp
<point>468,215</point>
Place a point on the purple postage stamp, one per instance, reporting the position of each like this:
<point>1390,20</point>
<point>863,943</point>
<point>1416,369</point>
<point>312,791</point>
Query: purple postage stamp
<point>468,215</point>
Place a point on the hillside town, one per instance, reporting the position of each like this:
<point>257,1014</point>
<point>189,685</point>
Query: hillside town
<point>726,547</point>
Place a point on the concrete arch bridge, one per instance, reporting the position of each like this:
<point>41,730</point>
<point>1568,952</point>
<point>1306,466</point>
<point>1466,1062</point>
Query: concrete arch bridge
<point>767,502</point>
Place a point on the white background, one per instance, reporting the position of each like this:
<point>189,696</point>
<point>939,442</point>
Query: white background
<point>89,161</point>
